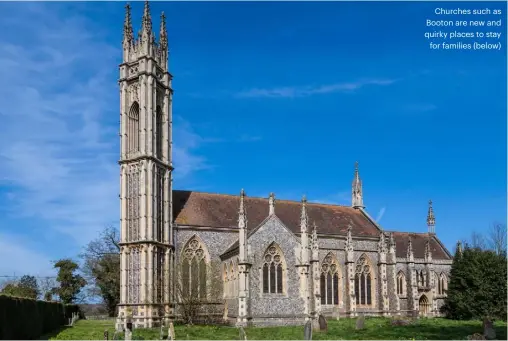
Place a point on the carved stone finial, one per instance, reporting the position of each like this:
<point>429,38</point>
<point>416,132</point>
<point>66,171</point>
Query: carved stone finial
<point>303,216</point>
<point>271,204</point>
<point>410,255</point>
<point>242,217</point>
<point>163,32</point>
<point>128,32</point>
<point>146,26</point>
<point>382,243</point>
<point>391,243</point>
<point>431,220</point>
<point>315,245</point>
<point>459,248</point>
<point>428,251</point>
<point>349,239</point>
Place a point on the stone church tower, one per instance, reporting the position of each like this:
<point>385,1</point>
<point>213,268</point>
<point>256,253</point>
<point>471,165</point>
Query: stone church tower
<point>146,235</point>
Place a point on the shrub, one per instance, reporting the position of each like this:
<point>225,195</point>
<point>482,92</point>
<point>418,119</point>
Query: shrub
<point>26,319</point>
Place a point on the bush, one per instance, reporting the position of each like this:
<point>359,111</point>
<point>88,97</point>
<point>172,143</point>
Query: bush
<point>477,286</point>
<point>28,319</point>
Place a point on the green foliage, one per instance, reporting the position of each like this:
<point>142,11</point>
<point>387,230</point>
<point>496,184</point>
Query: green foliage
<point>26,287</point>
<point>101,266</point>
<point>478,286</point>
<point>70,282</point>
<point>28,319</point>
<point>375,329</point>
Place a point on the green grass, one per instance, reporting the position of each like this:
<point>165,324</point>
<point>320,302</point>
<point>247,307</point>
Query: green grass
<point>375,329</point>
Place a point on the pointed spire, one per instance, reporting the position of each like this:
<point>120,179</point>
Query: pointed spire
<point>146,26</point>
<point>242,217</point>
<point>303,216</point>
<point>431,220</point>
<point>315,245</point>
<point>357,200</point>
<point>410,255</point>
<point>381,247</point>
<point>163,34</point>
<point>128,32</point>
<point>391,243</point>
<point>428,251</point>
<point>349,239</point>
<point>271,204</point>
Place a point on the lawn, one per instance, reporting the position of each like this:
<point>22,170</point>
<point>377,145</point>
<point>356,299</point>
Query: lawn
<point>375,329</point>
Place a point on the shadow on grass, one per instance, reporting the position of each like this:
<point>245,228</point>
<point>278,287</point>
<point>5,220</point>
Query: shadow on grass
<point>54,333</point>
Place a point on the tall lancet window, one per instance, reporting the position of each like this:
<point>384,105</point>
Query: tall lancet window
<point>330,280</point>
<point>133,128</point>
<point>363,281</point>
<point>159,133</point>
<point>194,269</point>
<point>273,270</point>
<point>401,284</point>
<point>442,284</point>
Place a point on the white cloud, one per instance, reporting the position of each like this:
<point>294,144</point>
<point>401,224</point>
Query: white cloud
<point>380,214</point>
<point>292,92</point>
<point>59,121</point>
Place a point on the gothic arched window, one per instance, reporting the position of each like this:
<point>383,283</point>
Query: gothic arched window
<point>401,284</point>
<point>194,269</point>
<point>330,279</point>
<point>273,270</point>
<point>226,280</point>
<point>133,128</point>
<point>363,282</point>
<point>442,284</point>
<point>159,135</point>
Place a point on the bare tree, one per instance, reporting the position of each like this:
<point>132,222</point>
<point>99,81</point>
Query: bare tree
<point>192,307</point>
<point>46,285</point>
<point>477,241</point>
<point>496,238</point>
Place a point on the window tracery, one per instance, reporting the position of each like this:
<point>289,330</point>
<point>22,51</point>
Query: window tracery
<point>273,272</point>
<point>194,269</point>
<point>363,282</point>
<point>330,279</point>
<point>401,284</point>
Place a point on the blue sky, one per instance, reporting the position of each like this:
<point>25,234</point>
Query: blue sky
<point>270,97</point>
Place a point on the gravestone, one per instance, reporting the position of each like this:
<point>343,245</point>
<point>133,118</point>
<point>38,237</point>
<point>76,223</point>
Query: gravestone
<point>488,329</point>
<point>360,322</point>
<point>106,335</point>
<point>323,325</point>
<point>336,313</point>
<point>243,336</point>
<point>128,330</point>
<point>307,331</point>
<point>171,331</point>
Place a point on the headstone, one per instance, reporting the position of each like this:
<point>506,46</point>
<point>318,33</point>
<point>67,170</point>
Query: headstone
<point>360,322</point>
<point>106,335</point>
<point>307,331</point>
<point>336,313</point>
<point>243,336</point>
<point>128,330</point>
<point>488,329</point>
<point>323,325</point>
<point>171,331</point>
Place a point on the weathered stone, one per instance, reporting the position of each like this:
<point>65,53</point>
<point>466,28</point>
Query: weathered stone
<point>106,335</point>
<point>360,322</point>
<point>128,330</point>
<point>307,331</point>
<point>476,336</point>
<point>243,336</point>
<point>488,329</point>
<point>171,331</point>
<point>323,325</point>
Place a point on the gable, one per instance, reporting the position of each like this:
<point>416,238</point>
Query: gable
<point>221,211</point>
<point>419,240</point>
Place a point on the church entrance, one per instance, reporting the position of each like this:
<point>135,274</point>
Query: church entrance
<point>424,306</point>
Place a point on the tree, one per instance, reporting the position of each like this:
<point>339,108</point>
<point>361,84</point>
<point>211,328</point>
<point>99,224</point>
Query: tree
<point>70,283</point>
<point>101,266</point>
<point>26,287</point>
<point>46,285</point>
<point>496,238</point>
<point>478,286</point>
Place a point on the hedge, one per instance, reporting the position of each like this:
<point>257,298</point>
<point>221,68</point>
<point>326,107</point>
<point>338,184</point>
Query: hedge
<point>28,319</point>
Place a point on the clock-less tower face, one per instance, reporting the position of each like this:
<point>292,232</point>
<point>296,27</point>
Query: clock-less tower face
<point>145,162</point>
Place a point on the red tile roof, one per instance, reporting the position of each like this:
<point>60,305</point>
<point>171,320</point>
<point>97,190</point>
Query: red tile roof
<point>221,211</point>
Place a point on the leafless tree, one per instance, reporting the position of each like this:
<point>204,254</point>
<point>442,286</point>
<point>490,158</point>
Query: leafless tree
<point>496,238</point>
<point>477,241</point>
<point>46,285</point>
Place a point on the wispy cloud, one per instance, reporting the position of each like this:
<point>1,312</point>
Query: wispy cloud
<point>380,214</point>
<point>339,198</point>
<point>59,132</point>
<point>292,92</point>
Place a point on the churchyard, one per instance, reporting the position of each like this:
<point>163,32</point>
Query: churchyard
<point>344,329</point>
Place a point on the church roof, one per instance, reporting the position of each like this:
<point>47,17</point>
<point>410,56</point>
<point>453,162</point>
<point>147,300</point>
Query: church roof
<point>221,211</point>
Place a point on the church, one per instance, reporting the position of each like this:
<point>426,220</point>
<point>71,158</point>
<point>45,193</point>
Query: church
<point>246,260</point>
